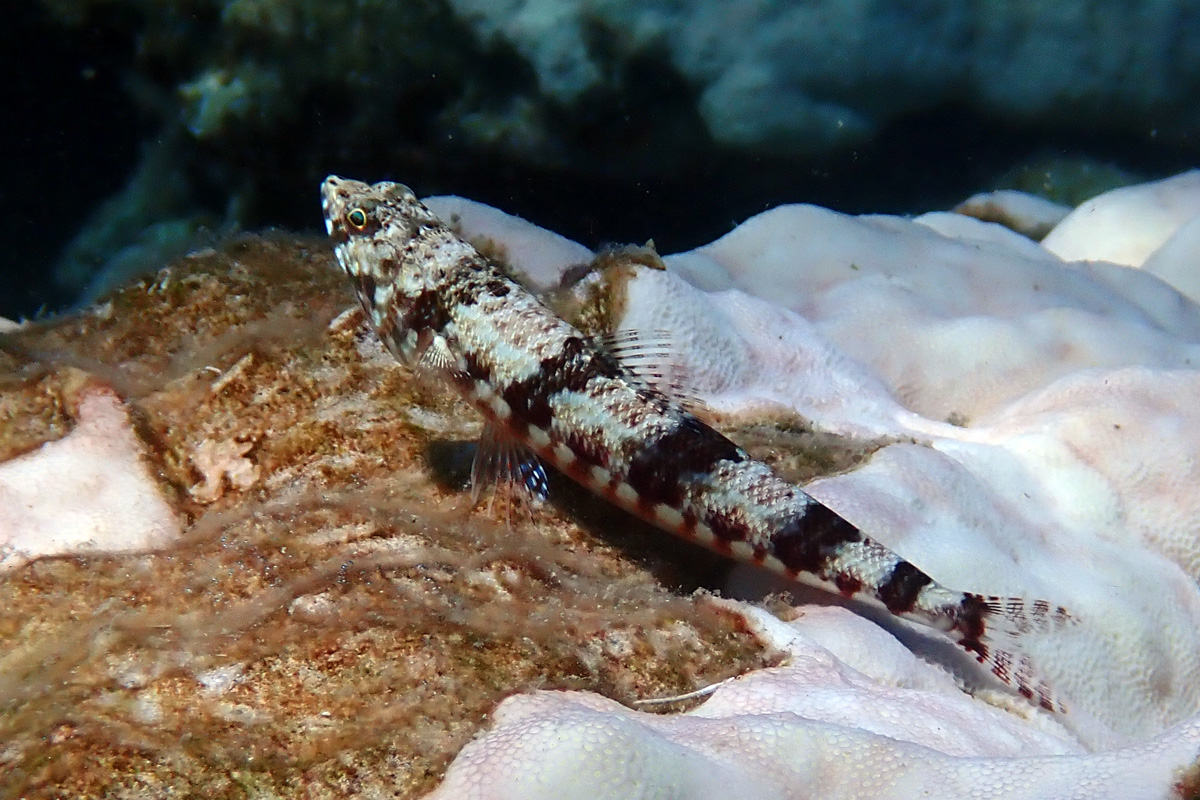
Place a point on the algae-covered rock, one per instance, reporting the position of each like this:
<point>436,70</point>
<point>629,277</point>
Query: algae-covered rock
<point>330,618</point>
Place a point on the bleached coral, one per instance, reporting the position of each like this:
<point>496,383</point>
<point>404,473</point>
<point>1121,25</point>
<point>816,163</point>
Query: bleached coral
<point>1163,239</point>
<point>941,281</point>
<point>220,464</point>
<point>89,492</point>
<point>852,715</point>
<point>1126,226</point>
<point>1027,214</point>
<point>1068,474</point>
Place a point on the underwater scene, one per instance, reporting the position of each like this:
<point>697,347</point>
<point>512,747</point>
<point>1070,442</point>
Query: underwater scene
<point>600,399</point>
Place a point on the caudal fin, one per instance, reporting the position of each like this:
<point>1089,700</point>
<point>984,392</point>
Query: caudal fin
<point>993,630</point>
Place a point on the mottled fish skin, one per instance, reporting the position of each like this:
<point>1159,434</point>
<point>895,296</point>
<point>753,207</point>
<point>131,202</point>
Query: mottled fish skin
<point>439,305</point>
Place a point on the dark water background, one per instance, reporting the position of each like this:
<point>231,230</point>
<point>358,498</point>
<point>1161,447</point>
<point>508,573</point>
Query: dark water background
<point>87,95</point>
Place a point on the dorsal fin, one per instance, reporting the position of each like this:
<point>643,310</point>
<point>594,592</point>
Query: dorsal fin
<point>649,356</point>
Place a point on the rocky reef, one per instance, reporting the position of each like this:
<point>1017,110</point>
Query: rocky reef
<point>238,560</point>
<point>805,77</point>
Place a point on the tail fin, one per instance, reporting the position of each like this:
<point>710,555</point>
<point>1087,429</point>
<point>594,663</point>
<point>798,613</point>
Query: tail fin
<point>991,629</point>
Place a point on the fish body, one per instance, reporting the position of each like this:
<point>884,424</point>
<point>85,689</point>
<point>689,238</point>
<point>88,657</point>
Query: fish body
<point>439,305</point>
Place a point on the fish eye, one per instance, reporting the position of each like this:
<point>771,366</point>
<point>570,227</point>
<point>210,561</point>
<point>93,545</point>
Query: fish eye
<point>357,219</point>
